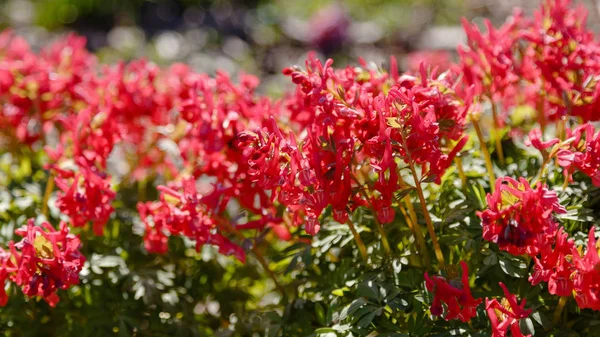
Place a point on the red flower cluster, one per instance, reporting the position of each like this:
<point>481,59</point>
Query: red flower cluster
<point>563,59</point>
<point>505,314</point>
<point>35,88</point>
<point>199,217</point>
<point>583,153</point>
<point>488,61</point>
<point>354,117</point>
<point>554,265</point>
<point>44,261</point>
<point>550,62</point>
<point>185,213</point>
<point>85,197</point>
<point>455,294</point>
<point>519,218</point>
<point>586,278</point>
<point>173,122</point>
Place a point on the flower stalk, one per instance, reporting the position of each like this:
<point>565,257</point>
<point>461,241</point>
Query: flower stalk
<point>559,309</point>
<point>486,152</point>
<point>411,220</point>
<point>359,242</point>
<point>496,133</point>
<point>384,240</point>
<point>461,171</point>
<point>259,257</point>
<point>47,192</point>
<point>428,221</point>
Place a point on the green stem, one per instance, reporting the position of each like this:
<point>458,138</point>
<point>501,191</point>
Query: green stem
<point>418,233</point>
<point>261,259</point>
<point>461,171</point>
<point>559,309</point>
<point>486,154</point>
<point>49,189</point>
<point>384,240</point>
<point>496,134</point>
<point>430,228</point>
<point>413,223</point>
<point>359,242</point>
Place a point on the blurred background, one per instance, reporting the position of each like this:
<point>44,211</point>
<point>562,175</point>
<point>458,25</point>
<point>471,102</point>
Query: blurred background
<point>259,36</point>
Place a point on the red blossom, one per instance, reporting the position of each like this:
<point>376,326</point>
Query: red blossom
<point>554,266</point>
<point>183,211</point>
<point>586,280</point>
<point>46,260</point>
<point>85,197</point>
<point>535,140</point>
<point>454,295</point>
<point>518,218</point>
<point>583,153</point>
<point>7,267</point>
<point>505,314</point>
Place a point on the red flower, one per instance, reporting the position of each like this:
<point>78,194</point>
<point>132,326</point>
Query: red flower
<point>586,281</point>
<point>455,294</point>
<point>438,59</point>
<point>553,265</point>
<point>387,182</point>
<point>506,314</point>
<point>488,61</point>
<point>46,260</point>
<point>535,140</point>
<point>186,213</point>
<point>519,218</point>
<point>85,198</point>
<point>7,267</point>
<point>583,153</point>
<point>563,60</point>
<point>155,239</point>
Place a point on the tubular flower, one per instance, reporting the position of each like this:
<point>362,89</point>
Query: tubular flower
<point>583,153</point>
<point>153,215</point>
<point>554,266</point>
<point>85,197</point>
<point>417,133</point>
<point>454,294</point>
<point>182,211</point>
<point>505,315</point>
<point>46,260</point>
<point>357,116</point>
<point>488,61</point>
<point>535,140</point>
<point>586,283</point>
<point>7,267</point>
<point>564,60</point>
<point>519,218</point>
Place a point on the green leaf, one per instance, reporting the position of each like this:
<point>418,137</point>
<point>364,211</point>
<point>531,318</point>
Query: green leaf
<point>513,268</point>
<point>490,260</point>
<point>366,320</point>
<point>340,291</point>
<point>368,289</point>
<point>352,308</point>
<point>542,319</point>
<point>400,195</point>
<point>526,326</point>
<point>320,312</point>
